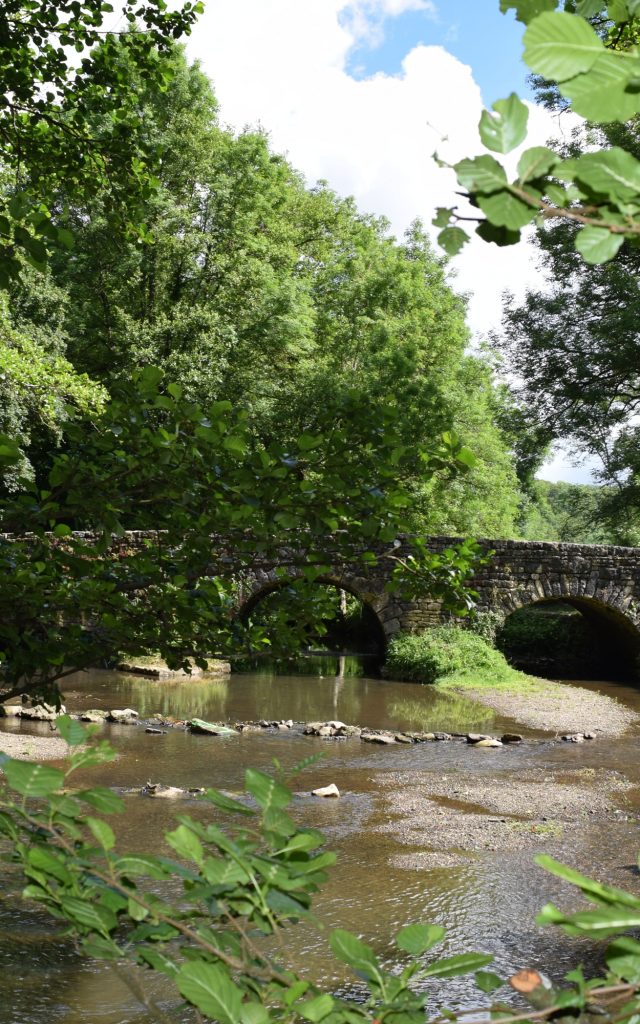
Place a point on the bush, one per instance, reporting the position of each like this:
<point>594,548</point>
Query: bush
<point>439,652</point>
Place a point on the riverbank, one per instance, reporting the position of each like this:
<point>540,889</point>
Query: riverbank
<point>26,747</point>
<point>552,707</point>
<point>452,660</point>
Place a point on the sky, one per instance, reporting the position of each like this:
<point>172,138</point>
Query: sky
<point>362,92</point>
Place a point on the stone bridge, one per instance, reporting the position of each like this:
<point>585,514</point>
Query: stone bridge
<point>602,582</point>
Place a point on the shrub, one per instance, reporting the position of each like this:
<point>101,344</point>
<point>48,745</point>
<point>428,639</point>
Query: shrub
<point>438,652</point>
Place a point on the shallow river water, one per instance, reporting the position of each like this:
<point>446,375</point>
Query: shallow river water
<point>487,900</point>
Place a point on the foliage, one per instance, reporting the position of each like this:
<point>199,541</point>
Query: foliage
<point>439,652</point>
<point>558,642</point>
<point>254,288</point>
<point>572,348</point>
<point>486,625</point>
<point>574,514</point>
<point>485,502</point>
<point>39,390</point>
<point>250,882</point>
<point>598,192</point>
<point>217,504</point>
<point>58,63</point>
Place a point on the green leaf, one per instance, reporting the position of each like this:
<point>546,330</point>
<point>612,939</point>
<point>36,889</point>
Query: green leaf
<point>505,129</point>
<point>353,951</point>
<point>623,958</point>
<point>487,981</point>
<point>65,237</point>
<point>209,988</point>
<point>506,210</point>
<point>452,240</point>
<point>443,216</point>
<point>558,45</point>
<point>316,1009</point>
<point>418,938</point>
<point>62,530</point>
<point>41,859</point>
<point>597,245</point>
<point>499,236</point>
<point>224,872</point>
<point>594,890</point>
<point>527,9</point>
<point>89,915</point>
<point>186,844</point>
<point>603,95</point>
<point>306,442</point>
<point>612,173</point>
<point>33,779</point>
<point>136,911</point>
<point>589,8</point>
<point>101,948</point>
<point>102,832</point>
<point>454,965</point>
<point>254,1013</point>
<point>226,803</point>
<point>132,864</point>
<point>102,800</point>
<point>158,960</point>
<point>70,730</point>
<point>266,790</point>
<point>235,444</point>
<point>482,174</point>
<point>466,457</point>
<point>536,162</point>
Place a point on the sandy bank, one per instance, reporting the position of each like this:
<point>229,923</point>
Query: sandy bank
<point>559,708</point>
<point>23,747</point>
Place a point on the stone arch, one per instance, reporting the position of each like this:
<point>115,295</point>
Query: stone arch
<point>611,618</point>
<point>374,598</point>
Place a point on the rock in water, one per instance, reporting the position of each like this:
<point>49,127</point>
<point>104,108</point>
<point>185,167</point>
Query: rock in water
<point>331,790</point>
<point>512,737</point>
<point>489,742</point>
<point>157,790</point>
<point>476,737</point>
<point>211,728</point>
<point>378,737</point>
<point>123,716</point>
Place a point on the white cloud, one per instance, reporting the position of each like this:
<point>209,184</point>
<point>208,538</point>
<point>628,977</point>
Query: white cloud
<point>283,64</point>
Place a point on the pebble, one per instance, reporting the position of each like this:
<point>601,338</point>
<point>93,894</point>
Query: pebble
<point>330,790</point>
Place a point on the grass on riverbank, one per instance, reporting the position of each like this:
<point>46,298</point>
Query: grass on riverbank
<point>453,658</point>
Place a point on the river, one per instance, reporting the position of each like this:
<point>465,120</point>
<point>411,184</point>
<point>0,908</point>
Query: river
<point>485,896</point>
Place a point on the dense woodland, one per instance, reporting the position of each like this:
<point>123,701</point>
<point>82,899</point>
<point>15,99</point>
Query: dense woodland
<point>251,286</point>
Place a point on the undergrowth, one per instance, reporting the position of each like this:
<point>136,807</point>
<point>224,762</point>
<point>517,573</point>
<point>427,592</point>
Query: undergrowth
<point>452,657</point>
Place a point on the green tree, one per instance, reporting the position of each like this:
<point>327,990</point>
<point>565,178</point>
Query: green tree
<point>572,347</point>
<point>46,137</point>
<point>252,287</point>
<point>216,503</point>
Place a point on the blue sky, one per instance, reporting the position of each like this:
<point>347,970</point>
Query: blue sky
<point>474,32</point>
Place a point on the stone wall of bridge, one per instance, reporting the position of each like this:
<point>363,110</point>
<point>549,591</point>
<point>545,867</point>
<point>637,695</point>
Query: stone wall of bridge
<point>603,582</point>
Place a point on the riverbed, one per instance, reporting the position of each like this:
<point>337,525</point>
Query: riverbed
<point>440,832</point>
